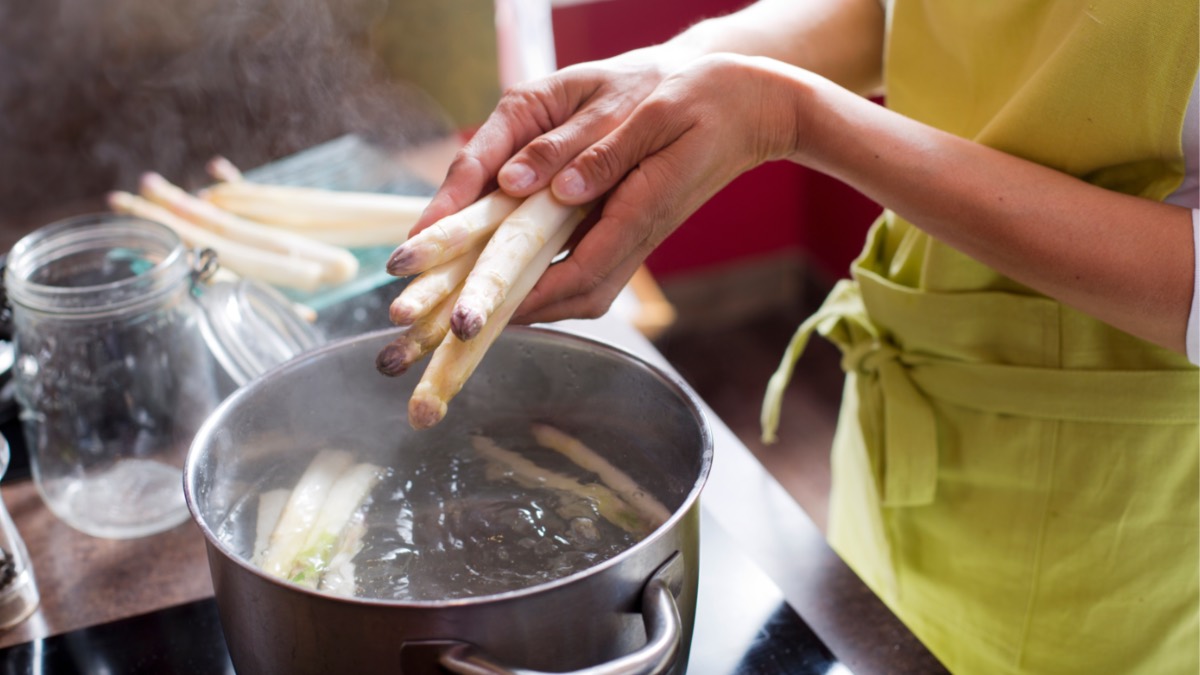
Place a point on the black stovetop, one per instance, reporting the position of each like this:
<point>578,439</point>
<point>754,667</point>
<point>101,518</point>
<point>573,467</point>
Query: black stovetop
<point>743,627</point>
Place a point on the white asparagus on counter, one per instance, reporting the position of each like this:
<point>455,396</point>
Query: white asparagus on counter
<point>338,264</point>
<point>357,235</point>
<point>247,261</point>
<point>347,218</point>
<point>338,217</point>
<point>223,170</point>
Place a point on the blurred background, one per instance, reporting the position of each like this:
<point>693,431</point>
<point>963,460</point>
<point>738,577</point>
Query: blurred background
<point>95,92</point>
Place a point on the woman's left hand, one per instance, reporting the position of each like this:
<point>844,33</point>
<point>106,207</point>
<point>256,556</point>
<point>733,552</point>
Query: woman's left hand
<point>694,133</point>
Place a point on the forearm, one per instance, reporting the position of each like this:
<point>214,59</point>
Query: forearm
<point>1125,260</point>
<point>841,40</point>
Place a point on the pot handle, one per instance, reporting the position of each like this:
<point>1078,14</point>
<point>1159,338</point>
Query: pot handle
<point>664,631</point>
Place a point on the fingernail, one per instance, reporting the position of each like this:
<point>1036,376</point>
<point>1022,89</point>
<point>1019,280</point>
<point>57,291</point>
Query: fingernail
<point>518,176</point>
<point>569,183</point>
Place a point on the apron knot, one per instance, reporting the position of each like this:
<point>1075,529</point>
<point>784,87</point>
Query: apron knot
<point>867,358</point>
<point>896,418</point>
<point>899,425</point>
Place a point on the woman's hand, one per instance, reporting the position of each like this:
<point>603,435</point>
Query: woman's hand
<point>700,128</point>
<point>549,120</point>
<point>656,131</point>
<point>653,139</point>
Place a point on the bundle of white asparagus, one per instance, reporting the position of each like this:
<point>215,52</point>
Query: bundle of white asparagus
<point>472,269</point>
<point>294,237</point>
<point>341,218</point>
<point>310,534</point>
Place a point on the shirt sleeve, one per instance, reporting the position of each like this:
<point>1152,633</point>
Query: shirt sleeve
<point>1193,325</point>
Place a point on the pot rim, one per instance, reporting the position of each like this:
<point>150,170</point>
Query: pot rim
<point>671,380</point>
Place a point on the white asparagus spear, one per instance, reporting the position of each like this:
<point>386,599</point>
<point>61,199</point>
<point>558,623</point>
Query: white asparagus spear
<point>303,507</point>
<point>339,265</point>
<point>337,511</point>
<point>451,236</point>
<point>429,288</point>
<point>317,209</point>
<point>515,243</point>
<point>340,218</point>
<point>454,360</point>
<point>422,337</point>
<point>223,170</point>
<point>527,473</point>
<point>270,506</point>
<point>590,460</point>
<point>246,261</point>
<point>225,275</point>
<point>339,578</point>
<point>355,234</point>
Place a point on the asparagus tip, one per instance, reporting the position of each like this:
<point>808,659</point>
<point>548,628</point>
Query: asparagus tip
<point>401,312</point>
<point>118,200</point>
<point>401,262</point>
<point>425,411</point>
<point>222,169</point>
<point>466,322</point>
<point>396,358</point>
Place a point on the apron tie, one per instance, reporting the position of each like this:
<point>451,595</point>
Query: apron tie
<point>896,418</point>
<point>902,433</point>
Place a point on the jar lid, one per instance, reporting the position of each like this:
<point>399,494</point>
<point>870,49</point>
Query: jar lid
<point>251,327</point>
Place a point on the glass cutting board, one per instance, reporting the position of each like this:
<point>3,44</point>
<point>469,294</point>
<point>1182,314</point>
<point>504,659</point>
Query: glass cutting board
<point>346,163</point>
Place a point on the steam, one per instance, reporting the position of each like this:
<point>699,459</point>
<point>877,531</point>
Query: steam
<point>94,92</point>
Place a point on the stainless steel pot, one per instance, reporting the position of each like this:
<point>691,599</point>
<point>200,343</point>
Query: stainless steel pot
<point>632,613</point>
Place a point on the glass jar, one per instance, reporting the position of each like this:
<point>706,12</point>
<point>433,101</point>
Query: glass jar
<point>112,372</point>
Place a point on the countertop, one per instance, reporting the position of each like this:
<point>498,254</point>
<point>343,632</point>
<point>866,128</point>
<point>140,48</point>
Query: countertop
<point>85,581</point>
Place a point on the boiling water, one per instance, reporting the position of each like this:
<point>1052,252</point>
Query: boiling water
<point>451,526</point>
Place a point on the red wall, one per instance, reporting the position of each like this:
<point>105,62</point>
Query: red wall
<point>773,208</point>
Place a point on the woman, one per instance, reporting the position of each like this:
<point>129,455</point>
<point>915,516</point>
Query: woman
<point>1015,469</point>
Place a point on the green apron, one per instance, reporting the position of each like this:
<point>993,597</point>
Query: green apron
<point>1019,482</point>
